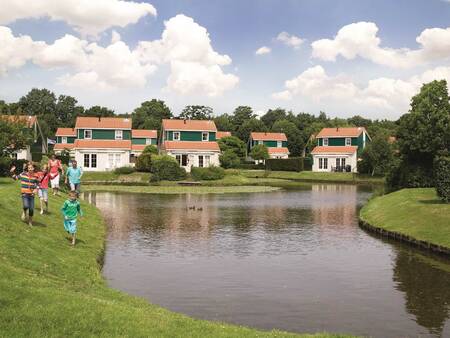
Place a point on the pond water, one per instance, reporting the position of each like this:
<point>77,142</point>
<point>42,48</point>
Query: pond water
<point>294,260</point>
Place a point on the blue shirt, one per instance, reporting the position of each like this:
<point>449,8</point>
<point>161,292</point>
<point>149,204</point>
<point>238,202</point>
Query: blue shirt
<point>74,175</point>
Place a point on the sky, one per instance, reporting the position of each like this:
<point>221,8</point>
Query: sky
<point>347,57</point>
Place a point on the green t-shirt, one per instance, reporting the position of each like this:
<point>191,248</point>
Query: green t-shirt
<point>71,209</point>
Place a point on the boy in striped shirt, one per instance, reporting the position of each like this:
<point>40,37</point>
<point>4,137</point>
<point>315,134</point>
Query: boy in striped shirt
<point>29,182</point>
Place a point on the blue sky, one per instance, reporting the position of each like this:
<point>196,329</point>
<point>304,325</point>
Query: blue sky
<point>349,74</point>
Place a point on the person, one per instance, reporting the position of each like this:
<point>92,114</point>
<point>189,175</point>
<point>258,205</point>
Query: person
<point>55,167</point>
<point>73,177</point>
<point>44,178</point>
<point>28,188</point>
<point>70,210</point>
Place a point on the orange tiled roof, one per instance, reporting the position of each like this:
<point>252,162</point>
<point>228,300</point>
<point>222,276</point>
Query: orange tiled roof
<point>195,125</point>
<point>262,136</point>
<point>103,122</point>
<point>341,132</point>
<point>275,150</point>
<point>140,133</point>
<point>66,132</point>
<point>138,147</point>
<point>29,120</point>
<point>334,150</point>
<point>191,145</point>
<point>103,144</point>
<point>62,146</point>
<point>221,134</point>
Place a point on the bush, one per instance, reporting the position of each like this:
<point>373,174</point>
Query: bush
<point>442,177</point>
<point>229,159</point>
<point>409,175</point>
<point>124,170</point>
<point>207,174</point>
<point>150,149</point>
<point>252,166</point>
<point>144,162</point>
<point>307,163</point>
<point>288,164</point>
<point>6,163</point>
<point>165,167</point>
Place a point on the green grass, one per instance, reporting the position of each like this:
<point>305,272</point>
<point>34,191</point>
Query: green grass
<point>110,176</point>
<point>417,213</point>
<point>49,289</point>
<point>178,189</point>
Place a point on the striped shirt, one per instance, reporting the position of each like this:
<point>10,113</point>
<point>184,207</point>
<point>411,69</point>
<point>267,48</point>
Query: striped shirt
<point>28,183</point>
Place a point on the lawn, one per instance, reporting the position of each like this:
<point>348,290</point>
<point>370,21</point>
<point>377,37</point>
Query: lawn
<point>417,213</point>
<point>49,289</point>
<point>110,176</point>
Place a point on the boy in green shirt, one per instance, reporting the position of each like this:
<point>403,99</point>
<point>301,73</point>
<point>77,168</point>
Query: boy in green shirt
<point>71,209</point>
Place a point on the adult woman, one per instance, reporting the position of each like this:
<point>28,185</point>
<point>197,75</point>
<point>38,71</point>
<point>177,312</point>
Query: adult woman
<point>55,167</point>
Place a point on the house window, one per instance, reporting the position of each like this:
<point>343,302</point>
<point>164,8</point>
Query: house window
<point>184,160</point>
<point>205,136</point>
<point>325,163</point>
<point>118,161</point>
<point>200,161</point>
<point>176,135</point>
<point>14,156</point>
<point>320,163</point>
<point>110,160</point>
<point>348,141</point>
<point>148,141</point>
<point>64,139</point>
<point>93,160</point>
<point>119,134</point>
<point>343,162</point>
<point>325,142</point>
<point>279,144</point>
<point>88,134</point>
<point>86,160</point>
<point>178,158</point>
<point>338,162</point>
<point>260,142</point>
<point>207,160</point>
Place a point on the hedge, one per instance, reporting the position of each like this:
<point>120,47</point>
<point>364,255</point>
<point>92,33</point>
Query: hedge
<point>124,170</point>
<point>6,163</point>
<point>207,174</point>
<point>288,164</point>
<point>144,162</point>
<point>251,166</point>
<point>442,177</point>
<point>167,168</point>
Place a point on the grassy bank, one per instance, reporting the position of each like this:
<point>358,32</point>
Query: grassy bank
<point>417,213</point>
<point>49,289</point>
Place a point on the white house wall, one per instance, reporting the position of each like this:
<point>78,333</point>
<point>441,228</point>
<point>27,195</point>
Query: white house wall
<point>349,160</point>
<point>193,157</point>
<point>103,162</point>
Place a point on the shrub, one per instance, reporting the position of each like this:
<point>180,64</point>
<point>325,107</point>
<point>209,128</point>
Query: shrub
<point>232,143</point>
<point>207,174</point>
<point>307,163</point>
<point>165,167</point>
<point>124,170</point>
<point>288,164</point>
<point>144,162</point>
<point>442,177</point>
<point>259,152</point>
<point>252,166</point>
<point>229,159</point>
<point>409,175</point>
<point>150,149</point>
<point>6,163</point>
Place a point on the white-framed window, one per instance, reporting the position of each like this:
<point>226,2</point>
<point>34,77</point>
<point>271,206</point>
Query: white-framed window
<point>279,144</point>
<point>320,163</point>
<point>110,160</point>
<point>88,134</point>
<point>325,163</point>
<point>205,136</point>
<point>118,161</point>
<point>64,139</point>
<point>343,162</point>
<point>325,141</point>
<point>176,135</point>
<point>207,160</point>
<point>200,161</point>
<point>86,160</point>
<point>119,135</point>
<point>260,142</point>
<point>338,162</point>
<point>90,160</point>
<point>14,156</point>
<point>348,141</point>
<point>148,141</point>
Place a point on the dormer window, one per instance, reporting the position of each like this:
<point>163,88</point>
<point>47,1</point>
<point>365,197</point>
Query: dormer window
<point>88,134</point>
<point>64,139</point>
<point>279,144</point>
<point>119,134</point>
<point>325,141</point>
<point>348,141</point>
<point>260,142</point>
<point>148,141</point>
<point>205,136</point>
<point>176,135</point>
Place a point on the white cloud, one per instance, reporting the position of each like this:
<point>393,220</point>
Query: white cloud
<point>87,17</point>
<point>290,40</point>
<point>384,94</point>
<point>361,39</point>
<point>115,36</point>
<point>263,50</point>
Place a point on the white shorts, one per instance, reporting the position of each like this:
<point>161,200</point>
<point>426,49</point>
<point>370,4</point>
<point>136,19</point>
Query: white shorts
<point>43,194</point>
<point>55,182</point>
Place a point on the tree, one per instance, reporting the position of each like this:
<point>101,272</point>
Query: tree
<point>196,113</point>
<point>240,115</point>
<point>259,152</point>
<point>223,123</point>
<point>234,144</point>
<point>67,110</point>
<point>272,116</point>
<point>150,149</point>
<point>295,142</point>
<point>13,136</point>
<point>359,121</point>
<point>243,132</point>
<point>378,156</point>
<point>98,111</point>
<point>229,159</point>
<point>150,114</point>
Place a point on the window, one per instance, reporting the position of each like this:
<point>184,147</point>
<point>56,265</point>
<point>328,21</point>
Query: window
<point>279,144</point>
<point>86,160</point>
<point>348,141</point>
<point>260,142</point>
<point>178,158</point>
<point>148,141</point>
<point>118,161</point>
<point>320,163</point>
<point>205,136</point>
<point>119,134</point>
<point>14,156</point>
<point>64,139</point>
<point>184,160</point>
<point>338,162</point>
<point>176,135</point>
<point>110,160</point>
<point>207,160</point>
<point>325,142</point>
<point>343,162</point>
<point>200,161</point>
<point>325,163</point>
<point>93,160</point>
<point>132,158</point>
<point>88,134</point>
<point>90,160</point>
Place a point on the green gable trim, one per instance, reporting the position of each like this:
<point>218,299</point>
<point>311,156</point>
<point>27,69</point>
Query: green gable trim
<point>70,139</point>
<point>104,134</point>
<point>189,135</point>
<point>338,141</point>
<point>269,144</point>
<point>140,140</point>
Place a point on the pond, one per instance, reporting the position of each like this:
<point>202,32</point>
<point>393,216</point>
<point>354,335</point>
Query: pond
<point>294,260</point>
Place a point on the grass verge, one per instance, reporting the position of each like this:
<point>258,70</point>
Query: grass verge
<point>48,289</point>
<point>417,213</point>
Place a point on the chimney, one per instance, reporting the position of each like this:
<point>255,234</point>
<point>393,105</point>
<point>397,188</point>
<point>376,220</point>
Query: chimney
<point>337,128</point>
<point>99,118</point>
<point>184,121</point>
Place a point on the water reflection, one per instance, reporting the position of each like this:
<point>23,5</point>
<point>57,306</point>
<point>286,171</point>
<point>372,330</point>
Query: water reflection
<point>293,260</point>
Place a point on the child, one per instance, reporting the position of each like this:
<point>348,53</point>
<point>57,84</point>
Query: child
<point>28,187</point>
<point>73,177</point>
<point>55,167</point>
<point>44,178</point>
<point>70,209</point>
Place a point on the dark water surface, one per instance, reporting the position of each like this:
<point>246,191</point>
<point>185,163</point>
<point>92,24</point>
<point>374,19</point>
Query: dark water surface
<point>294,260</point>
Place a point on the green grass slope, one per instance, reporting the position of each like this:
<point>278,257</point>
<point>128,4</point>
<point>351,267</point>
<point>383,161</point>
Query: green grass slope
<point>49,289</point>
<point>417,213</point>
